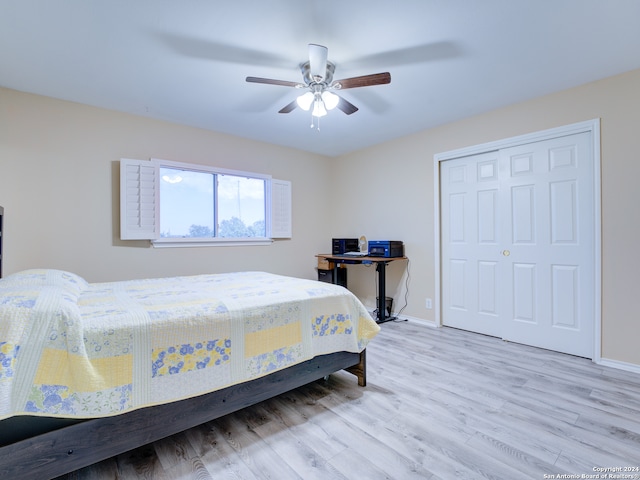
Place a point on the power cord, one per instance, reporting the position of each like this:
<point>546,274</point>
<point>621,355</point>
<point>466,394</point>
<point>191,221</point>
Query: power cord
<point>406,295</point>
<point>406,289</point>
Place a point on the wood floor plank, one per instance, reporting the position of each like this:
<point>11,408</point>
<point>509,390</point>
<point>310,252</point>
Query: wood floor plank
<point>305,459</point>
<point>439,403</point>
<point>494,424</point>
<point>257,454</point>
<point>141,463</point>
<point>173,450</point>
<point>512,456</point>
<point>363,430</point>
<point>307,428</point>
<point>220,459</point>
<point>191,468</point>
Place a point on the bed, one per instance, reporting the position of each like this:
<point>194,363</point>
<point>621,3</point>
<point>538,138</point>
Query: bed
<point>91,370</point>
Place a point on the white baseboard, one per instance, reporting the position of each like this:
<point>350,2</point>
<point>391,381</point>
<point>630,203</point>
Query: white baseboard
<point>422,321</point>
<point>629,367</point>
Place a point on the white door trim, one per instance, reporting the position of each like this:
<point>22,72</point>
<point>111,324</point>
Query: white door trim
<point>592,126</point>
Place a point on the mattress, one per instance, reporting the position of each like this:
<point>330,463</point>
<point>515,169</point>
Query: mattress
<point>73,349</point>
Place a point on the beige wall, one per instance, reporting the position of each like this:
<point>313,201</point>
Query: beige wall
<point>59,187</point>
<point>58,184</point>
<point>394,198</point>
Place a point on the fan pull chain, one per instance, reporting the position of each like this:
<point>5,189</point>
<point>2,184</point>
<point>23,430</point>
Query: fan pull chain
<point>313,124</point>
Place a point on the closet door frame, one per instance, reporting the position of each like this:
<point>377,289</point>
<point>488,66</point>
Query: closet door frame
<point>591,126</point>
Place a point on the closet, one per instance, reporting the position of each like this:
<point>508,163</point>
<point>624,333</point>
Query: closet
<point>518,242</point>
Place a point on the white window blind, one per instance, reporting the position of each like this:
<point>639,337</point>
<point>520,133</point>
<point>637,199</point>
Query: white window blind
<point>280,209</point>
<point>140,203</point>
<point>139,195</point>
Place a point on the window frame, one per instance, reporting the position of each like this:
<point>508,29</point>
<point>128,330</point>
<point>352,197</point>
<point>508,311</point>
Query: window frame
<point>140,204</point>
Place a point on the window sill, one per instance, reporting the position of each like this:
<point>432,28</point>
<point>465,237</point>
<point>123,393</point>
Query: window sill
<point>213,242</point>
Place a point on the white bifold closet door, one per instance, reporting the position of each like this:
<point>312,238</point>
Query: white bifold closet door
<point>517,244</point>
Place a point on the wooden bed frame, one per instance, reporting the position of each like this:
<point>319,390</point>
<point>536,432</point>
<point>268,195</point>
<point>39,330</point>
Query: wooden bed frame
<point>70,448</point>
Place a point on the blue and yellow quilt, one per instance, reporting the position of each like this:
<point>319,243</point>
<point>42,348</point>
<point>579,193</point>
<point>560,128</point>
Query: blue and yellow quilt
<point>74,349</point>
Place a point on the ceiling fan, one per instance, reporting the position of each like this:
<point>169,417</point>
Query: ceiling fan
<point>317,75</point>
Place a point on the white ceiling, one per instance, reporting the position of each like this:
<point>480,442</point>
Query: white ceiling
<point>185,61</point>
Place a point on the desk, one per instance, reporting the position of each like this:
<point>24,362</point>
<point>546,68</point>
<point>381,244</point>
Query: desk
<point>381,264</point>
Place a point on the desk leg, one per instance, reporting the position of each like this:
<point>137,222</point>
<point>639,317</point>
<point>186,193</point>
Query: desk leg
<point>382,299</point>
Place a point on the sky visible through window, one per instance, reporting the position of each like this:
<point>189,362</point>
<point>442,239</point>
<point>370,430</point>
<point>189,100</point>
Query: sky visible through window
<point>187,199</point>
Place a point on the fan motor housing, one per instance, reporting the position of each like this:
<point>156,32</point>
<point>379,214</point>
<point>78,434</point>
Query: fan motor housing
<point>305,68</point>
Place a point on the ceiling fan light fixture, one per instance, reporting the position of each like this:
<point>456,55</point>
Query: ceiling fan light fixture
<point>305,100</point>
<point>317,75</point>
<point>330,100</point>
<point>319,109</point>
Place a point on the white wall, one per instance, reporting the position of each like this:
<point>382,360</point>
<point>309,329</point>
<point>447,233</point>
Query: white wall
<point>59,185</point>
<point>394,196</point>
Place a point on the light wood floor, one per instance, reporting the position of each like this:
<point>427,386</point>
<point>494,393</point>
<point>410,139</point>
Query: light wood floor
<point>440,403</point>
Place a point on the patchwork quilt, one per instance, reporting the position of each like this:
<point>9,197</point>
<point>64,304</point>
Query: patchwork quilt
<point>73,349</point>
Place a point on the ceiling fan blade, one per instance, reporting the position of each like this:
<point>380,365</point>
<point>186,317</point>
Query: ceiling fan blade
<point>429,52</point>
<point>346,106</point>
<point>363,81</point>
<point>317,61</point>
<point>289,108</point>
<point>270,81</point>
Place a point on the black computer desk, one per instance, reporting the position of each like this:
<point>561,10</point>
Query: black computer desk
<point>381,264</point>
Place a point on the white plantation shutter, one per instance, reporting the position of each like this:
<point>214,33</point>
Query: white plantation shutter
<point>139,200</point>
<point>280,209</point>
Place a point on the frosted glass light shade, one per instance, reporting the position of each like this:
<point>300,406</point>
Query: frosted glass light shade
<point>330,100</point>
<point>304,101</point>
<point>318,108</point>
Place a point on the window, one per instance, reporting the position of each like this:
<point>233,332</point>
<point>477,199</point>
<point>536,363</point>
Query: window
<point>176,204</point>
<point>195,204</point>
